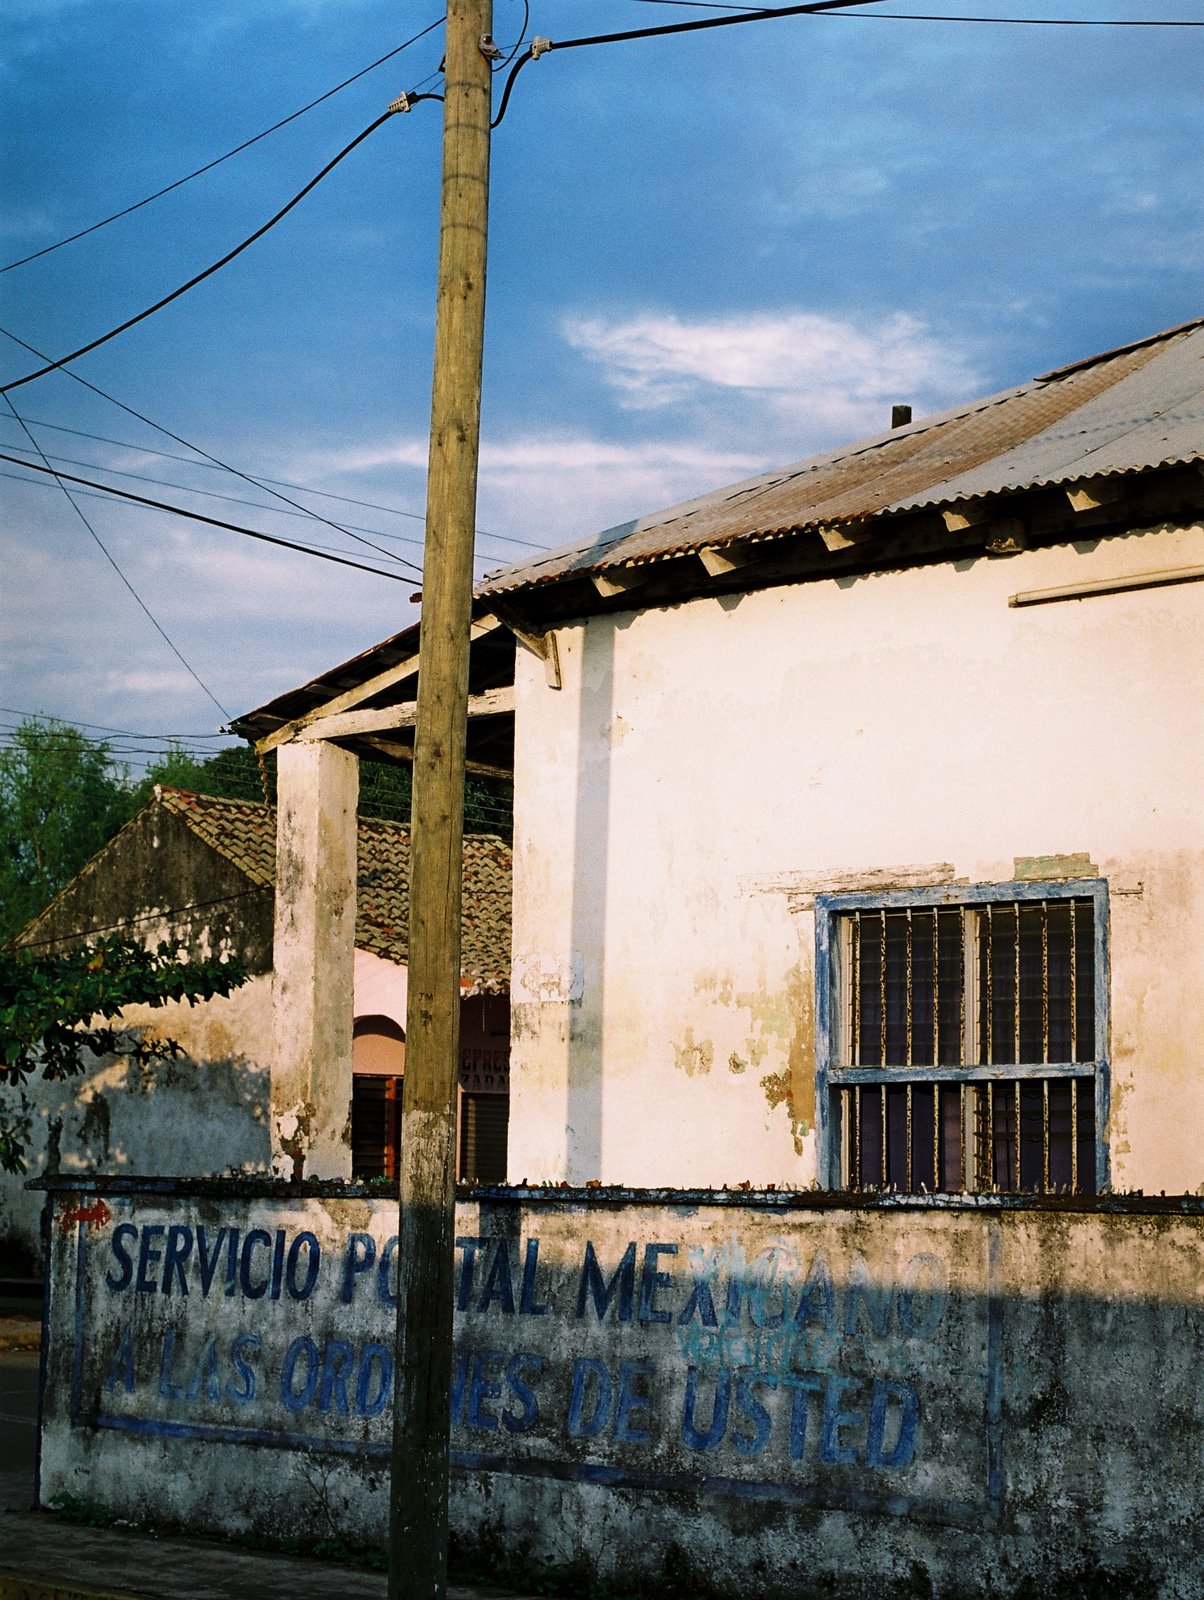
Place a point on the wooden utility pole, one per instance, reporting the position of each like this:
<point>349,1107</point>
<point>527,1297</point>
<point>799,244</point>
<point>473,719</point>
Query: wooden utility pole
<point>422,1381</point>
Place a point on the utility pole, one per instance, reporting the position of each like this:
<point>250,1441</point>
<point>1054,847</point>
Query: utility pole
<point>422,1375</point>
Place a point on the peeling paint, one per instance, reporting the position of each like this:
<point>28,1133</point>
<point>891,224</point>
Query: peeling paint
<point>693,1056</point>
<point>97,1213</point>
<point>1048,868</point>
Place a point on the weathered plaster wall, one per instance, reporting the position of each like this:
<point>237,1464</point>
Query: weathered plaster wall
<point>380,988</point>
<point>672,1393</point>
<point>202,1114</point>
<point>317,790</point>
<point>157,878</point>
<point>706,768</point>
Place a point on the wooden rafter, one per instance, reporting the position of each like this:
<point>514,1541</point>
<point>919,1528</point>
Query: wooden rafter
<point>351,698</point>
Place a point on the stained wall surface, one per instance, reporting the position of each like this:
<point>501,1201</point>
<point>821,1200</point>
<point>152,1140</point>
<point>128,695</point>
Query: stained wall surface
<point>682,1393</point>
<point>708,768</point>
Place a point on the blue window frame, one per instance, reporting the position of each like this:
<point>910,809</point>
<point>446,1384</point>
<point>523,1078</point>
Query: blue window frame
<point>962,1038</point>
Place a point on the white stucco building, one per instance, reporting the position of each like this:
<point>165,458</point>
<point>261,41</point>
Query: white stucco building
<point>858,807</point>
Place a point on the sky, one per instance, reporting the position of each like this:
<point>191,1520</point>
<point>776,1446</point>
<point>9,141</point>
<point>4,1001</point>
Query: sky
<point>709,254</point>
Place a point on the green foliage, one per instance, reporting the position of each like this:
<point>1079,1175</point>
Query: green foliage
<point>62,797</point>
<point>87,1513</point>
<point>232,774</point>
<point>60,800</point>
<point>55,1010</point>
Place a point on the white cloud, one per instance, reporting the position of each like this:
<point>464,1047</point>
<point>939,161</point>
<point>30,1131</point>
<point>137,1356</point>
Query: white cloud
<point>548,486</point>
<point>704,401</point>
<point>841,371</point>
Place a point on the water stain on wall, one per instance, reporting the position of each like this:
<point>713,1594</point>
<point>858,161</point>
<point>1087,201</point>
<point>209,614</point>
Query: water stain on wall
<point>693,1056</point>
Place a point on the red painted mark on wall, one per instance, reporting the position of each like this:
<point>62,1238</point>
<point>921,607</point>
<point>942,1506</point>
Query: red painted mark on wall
<point>97,1212</point>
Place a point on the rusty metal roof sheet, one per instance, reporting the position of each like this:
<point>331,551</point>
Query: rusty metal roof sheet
<point>1130,410</point>
<point>244,832</point>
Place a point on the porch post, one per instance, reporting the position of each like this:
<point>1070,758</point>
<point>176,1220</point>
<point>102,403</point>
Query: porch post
<point>317,790</point>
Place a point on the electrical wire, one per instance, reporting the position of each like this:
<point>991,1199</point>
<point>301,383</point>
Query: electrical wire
<point>112,560</point>
<point>216,266</point>
<point>543,46</point>
<point>1024,22</point>
<point>150,916</point>
<point>834,7</point>
<point>216,461</point>
<point>217,161</point>
<point>107,492</point>
<point>500,66</point>
<point>915,16</point>
<point>214,494</point>
<point>212,464</point>
<point>213,522</point>
<point>100,727</point>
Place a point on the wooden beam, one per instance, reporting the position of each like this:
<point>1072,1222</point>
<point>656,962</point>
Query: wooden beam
<point>837,537</point>
<point>539,642</point>
<point>964,517</point>
<point>1097,492</point>
<point>618,580</point>
<point>348,724</point>
<point>1006,537</point>
<point>405,752</point>
<point>361,692</point>
<point>728,559</point>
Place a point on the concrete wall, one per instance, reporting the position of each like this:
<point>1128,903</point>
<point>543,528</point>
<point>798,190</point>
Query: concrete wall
<point>707,768</point>
<point>677,1393</point>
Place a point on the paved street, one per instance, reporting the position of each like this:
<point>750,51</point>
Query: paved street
<point>18,1429</point>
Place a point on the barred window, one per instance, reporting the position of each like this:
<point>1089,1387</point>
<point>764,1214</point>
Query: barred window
<point>963,1034</point>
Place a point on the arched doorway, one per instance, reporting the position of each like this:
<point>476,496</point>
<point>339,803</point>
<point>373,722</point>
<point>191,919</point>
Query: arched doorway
<point>378,1059</point>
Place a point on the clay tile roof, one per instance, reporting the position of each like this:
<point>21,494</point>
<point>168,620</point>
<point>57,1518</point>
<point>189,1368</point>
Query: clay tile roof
<point>244,832</point>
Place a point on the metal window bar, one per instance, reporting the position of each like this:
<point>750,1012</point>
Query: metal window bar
<point>882,1027</point>
<point>1026,1140</point>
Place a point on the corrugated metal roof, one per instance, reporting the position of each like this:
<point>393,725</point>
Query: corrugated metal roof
<point>244,832</point>
<point>1131,410</point>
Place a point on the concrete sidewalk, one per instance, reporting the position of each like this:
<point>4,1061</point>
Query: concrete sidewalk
<point>44,1558</point>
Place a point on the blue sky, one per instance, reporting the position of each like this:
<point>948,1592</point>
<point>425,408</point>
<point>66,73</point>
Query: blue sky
<point>709,254</point>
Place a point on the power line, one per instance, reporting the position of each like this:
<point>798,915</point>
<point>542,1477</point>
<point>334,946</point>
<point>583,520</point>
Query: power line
<point>213,522</point>
<point>149,916</point>
<point>1025,22</point>
<point>916,16</point>
<point>211,463</point>
<point>112,560</point>
<point>540,47</point>
<point>215,460</point>
<point>100,727</point>
<point>214,494</point>
<point>217,161</point>
<point>349,528</point>
<point>215,266</point>
<point>106,491</point>
<point>47,730</point>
